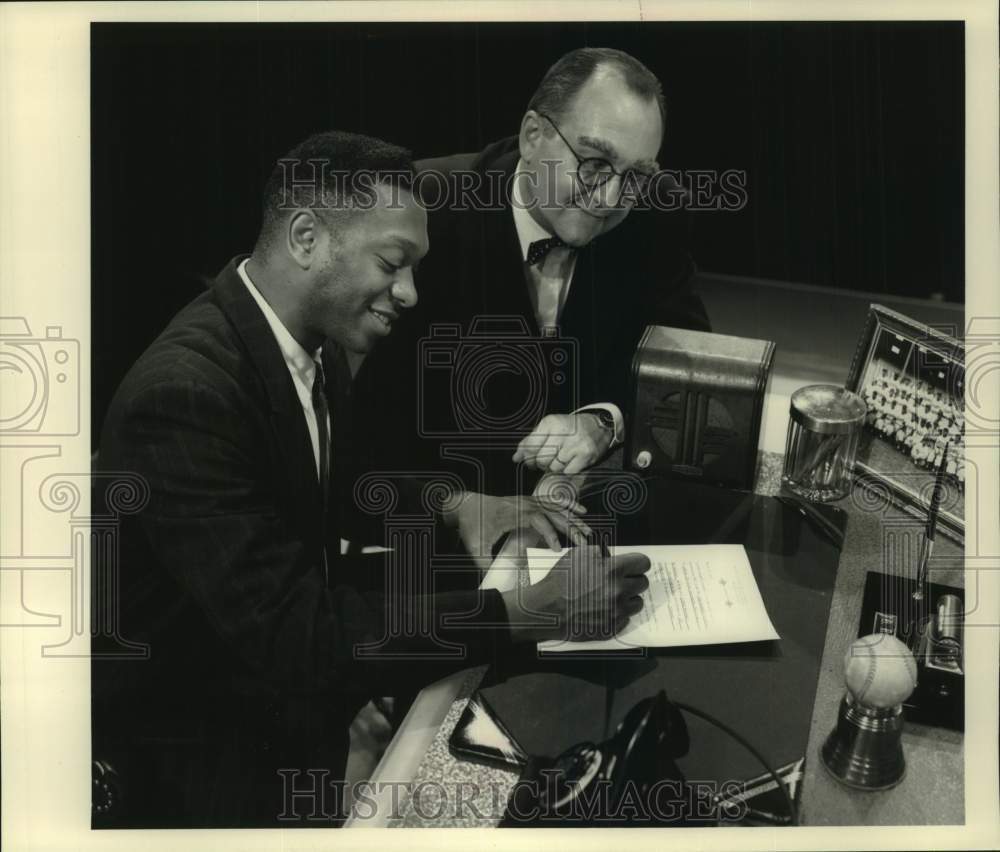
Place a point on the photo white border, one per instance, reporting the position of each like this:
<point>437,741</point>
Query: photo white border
<point>45,273</point>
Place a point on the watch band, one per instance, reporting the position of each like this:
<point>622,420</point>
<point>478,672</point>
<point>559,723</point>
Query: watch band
<point>606,420</point>
<point>603,415</point>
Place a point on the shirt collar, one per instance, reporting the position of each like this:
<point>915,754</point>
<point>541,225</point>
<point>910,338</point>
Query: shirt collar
<point>528,230</point>
<point>298,360</point>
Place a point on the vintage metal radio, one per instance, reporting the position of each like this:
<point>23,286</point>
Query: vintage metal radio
<point>697,405</point>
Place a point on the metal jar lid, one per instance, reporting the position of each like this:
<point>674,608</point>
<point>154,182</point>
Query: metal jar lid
<point>828,409</point>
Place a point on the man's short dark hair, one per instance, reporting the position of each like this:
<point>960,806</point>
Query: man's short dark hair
<point>564,79</point>
<point>333,173</point>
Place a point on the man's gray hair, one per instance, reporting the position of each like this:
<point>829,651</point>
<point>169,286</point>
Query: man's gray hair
<point>564,79</point>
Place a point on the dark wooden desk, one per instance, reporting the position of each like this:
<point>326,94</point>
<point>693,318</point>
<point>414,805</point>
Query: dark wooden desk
<point>931,793</point>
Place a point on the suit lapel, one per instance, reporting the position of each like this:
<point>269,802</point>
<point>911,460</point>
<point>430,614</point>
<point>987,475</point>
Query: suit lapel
<point>294,445</point>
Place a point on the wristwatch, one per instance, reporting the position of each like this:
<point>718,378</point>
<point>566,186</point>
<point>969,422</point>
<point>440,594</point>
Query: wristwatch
<point>606,419</point>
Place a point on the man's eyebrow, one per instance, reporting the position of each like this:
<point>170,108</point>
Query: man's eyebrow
<point>410,249</point>
<point>648,166</point>
<point>611,153</point>
<point>405,244</point>
<point>605,148</point>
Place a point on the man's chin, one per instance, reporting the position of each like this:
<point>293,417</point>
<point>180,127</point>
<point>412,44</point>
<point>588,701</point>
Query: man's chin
<point>364,338</point>
<point>361,346</point>
<point>578,233</point>
<point>578,227</point>
<point>358,343</point>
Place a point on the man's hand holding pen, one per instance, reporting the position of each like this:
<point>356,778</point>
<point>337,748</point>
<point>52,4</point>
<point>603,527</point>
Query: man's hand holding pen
<point>588,594</point>
<point>591,594</point>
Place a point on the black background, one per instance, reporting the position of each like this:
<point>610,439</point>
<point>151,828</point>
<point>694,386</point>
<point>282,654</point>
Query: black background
<point>851,134</point>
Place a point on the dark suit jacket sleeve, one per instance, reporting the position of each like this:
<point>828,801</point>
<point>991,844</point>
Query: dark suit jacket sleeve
<point>214,523</point>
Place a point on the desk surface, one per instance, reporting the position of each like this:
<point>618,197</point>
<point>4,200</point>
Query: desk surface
<point>931,793</point>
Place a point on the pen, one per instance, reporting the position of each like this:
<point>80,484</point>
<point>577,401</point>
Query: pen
<point>768,816</point>
<point>598,539</point>
<point>931,528</point>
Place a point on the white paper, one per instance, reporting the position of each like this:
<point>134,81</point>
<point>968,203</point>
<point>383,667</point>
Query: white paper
<point>502,573</point>
<point>699,594</point>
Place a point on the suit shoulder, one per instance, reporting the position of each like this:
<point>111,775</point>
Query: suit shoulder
<point>436,176</point>
<point>444,165</point>
<point>474,160</point>
<point>199,347</point>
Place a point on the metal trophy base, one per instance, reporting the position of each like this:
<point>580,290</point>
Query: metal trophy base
<point>865,750</point>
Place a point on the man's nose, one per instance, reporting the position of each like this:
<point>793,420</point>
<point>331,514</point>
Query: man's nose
<point>403,290</point>
<point>604,196</point>
<point>613,191</point>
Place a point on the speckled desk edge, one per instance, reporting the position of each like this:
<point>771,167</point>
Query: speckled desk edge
<point>473,796</point>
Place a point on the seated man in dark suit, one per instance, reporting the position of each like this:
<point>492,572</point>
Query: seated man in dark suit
<point>537,232</point>
<point>264,640</point>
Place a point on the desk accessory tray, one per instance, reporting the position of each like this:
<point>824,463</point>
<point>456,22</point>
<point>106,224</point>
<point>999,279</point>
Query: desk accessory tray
<point>888,607</point>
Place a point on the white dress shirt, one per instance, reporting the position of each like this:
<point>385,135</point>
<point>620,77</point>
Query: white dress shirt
<point>549,283</point>
<point>301,365</point>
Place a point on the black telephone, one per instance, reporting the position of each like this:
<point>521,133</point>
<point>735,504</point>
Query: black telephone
<point>630,778</point>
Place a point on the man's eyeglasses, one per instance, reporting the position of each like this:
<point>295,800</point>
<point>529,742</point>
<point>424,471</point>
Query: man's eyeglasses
<point>594,172</point>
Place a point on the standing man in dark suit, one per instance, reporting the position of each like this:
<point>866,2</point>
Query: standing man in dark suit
<point>232,573</point>
<point>540,228</point>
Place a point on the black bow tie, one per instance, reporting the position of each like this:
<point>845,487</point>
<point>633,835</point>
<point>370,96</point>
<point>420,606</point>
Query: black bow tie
<point>539,248</point>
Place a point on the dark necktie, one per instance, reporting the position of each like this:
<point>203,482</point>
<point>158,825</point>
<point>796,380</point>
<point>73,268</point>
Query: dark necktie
<point>540,248</point>
<point>322,411</point>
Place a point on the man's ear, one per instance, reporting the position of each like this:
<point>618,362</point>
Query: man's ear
<point>530,136</point>
<point>302,237</point>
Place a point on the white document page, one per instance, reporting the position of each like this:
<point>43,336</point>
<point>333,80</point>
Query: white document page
<point>502,573</point>
<point>699,594</point>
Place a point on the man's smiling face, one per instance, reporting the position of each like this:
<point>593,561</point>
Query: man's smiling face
<point>603,119</point>
<point>366,280</point>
